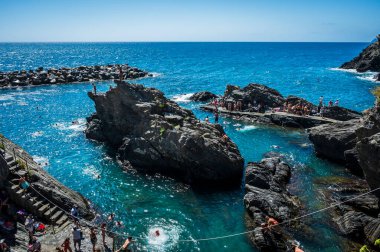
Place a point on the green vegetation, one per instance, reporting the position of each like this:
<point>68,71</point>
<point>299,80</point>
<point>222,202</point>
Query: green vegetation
<point>21,164</point>
<point>162,105</point>
<point>2,146</point>
<point>376,93</point>
<point>162,131</point>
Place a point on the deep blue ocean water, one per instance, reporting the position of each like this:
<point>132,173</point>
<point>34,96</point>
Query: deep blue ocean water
<point>40,120</point>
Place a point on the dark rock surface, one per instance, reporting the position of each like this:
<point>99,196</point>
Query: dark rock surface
<point>367,60</point>
<point>68,75</point>
<point>332,140</point>
<point>153,134</point>
<point>203,96</point>
<point>369,153</point>
<point>266,195</point>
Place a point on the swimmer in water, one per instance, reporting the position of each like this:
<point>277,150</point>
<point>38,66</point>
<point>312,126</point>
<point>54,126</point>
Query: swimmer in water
<point>157,233</point>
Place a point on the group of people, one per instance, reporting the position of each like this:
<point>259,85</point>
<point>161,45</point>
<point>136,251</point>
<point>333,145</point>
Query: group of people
<point>77,234</point>
<point>298,108</point>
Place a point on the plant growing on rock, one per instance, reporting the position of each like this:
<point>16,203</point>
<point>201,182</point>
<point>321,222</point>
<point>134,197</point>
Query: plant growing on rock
<point>376,93</point>
<point>21,164</point>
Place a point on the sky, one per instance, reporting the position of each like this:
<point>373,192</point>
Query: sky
<point>190,20</point>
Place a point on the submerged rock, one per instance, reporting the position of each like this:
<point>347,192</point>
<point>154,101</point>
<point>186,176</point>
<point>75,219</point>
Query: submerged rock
<point>153,134</point>
<point>266,195</point>
<point>203,96</point>
<point>367,60</point>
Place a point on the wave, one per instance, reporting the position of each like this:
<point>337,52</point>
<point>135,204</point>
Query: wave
<point>344,70</point>
<point>91,171</point>
<point>154,74</point>
<point>371,78</point>
<point>77,125</point>
<point>248,128</point>
<point>7,97</point>
<point>37,134</point>
<point>41,161</point>
<point>182,97</point>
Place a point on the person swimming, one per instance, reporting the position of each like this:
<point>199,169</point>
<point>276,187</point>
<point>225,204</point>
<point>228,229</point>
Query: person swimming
<point>157,233</point>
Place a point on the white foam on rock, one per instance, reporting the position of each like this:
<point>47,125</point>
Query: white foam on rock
<point>182,97</point>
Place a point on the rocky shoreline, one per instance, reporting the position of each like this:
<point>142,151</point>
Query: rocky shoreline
<point>153,134</point>
<point>367,60</point>
<point>65,75</point>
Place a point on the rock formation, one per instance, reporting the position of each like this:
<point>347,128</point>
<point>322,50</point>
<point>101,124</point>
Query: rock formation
<point>266,195</point>
<point>153,134</point>
<point>367,60</point>
<point>69,75</point>
<point>203,96</point>
<point>353,143</point>
<point>260,98</point>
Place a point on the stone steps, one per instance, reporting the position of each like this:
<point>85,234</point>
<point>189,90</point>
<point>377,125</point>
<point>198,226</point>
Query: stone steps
<point>31,200</point>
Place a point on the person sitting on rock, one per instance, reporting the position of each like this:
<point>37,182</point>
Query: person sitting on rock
<point>23,183</point>
<point>66,245</point>
<point>271,222</point>
<point>330,103</point>
<point>126,246</point>
<point>74,213</point>
<point>4,246</point>
<point>336,104</point>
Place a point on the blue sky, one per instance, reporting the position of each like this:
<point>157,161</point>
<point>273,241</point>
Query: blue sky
<point>191,20</point>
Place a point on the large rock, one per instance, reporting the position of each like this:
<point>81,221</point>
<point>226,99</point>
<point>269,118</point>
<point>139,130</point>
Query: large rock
<point>367,60</point>
<point>203,96</point>
<point>332,140</point>
<point>266,195</point>
<point>154,134</point>
<point>340,113</point>
<point>254,94</point>
<point>369,153</point>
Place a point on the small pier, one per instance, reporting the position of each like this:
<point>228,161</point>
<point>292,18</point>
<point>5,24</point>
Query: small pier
<point>278,118</point>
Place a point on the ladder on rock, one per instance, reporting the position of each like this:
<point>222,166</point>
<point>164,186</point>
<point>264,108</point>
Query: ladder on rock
<point>30,199</point>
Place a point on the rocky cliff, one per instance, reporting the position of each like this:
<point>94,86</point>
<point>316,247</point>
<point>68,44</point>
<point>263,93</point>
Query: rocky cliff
<point>354,143</point>
<point>153,134</point>
<point>267,195</point>
<point>367,60</point>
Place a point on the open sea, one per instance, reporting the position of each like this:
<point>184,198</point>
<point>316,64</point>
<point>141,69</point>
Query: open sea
<point>40,120</point>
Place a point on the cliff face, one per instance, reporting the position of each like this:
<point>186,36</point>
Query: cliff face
<point>154,134</point>
<point>367,60</point>
<point>355,143</point>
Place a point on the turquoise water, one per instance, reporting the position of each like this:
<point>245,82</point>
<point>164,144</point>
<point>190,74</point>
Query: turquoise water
<point>39,119</point>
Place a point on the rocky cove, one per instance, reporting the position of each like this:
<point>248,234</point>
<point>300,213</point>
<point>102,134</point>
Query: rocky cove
<point>282,183</point>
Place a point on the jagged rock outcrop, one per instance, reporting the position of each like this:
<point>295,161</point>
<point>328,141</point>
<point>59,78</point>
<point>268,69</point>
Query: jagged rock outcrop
<point>153,134</point>
<point>254,94</point>
<point>354,143</point>
<point>367,60</point>
<point>203,96</point>
<point>69,75</point>
<point>266,195</point>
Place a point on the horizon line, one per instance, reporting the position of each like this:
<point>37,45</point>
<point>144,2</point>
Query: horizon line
<point>20,42</point>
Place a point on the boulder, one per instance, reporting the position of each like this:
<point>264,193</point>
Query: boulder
<point>340,113</point>
<point>333,140</point>
<point>153,134</point>
<point>367,60</point>
<point>203,96</point>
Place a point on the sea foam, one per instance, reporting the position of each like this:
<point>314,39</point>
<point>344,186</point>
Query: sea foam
<point>182,97</point>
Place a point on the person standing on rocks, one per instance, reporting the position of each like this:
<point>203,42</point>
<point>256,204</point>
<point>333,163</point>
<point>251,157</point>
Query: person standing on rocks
<point>120,73</point>
<point>77,237</point>
<point>216,115</point>
<point>93,238</point>
<point>103,230</point>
